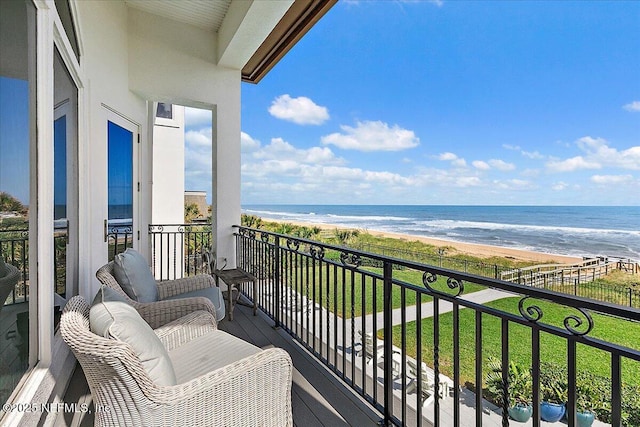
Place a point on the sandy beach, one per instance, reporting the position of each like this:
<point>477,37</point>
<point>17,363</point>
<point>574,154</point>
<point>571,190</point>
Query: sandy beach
<point>480,251</point>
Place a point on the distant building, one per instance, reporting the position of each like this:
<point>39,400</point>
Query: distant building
<point>198,198</point>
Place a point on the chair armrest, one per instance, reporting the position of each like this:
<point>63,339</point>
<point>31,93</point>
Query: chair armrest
<point>256,388</point>
<point>170,288</point>
<point>159,313</point>
<point>182,330</point>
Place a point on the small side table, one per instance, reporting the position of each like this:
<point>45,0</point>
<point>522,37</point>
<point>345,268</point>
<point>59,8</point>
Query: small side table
<point>234,277</point>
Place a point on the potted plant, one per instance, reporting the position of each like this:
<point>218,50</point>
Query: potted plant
<point>587,398</point>
<point>519,389</point>
<point>554,396</point>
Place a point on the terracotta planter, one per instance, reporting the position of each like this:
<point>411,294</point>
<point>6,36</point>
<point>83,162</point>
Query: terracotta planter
<point>521,412</point>
<point>551,412</point>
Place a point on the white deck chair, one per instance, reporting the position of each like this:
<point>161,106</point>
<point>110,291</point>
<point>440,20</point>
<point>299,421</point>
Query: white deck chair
<point>427,380</point>
<point>367,342</point>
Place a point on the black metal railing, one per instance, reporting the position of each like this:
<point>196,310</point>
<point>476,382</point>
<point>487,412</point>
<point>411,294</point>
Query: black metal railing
<point>118,238</point>
<point>374,320</point>
<point>176,249</point>
<point>14,246</point>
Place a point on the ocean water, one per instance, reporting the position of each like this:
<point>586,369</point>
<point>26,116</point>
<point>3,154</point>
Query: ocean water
<point>564,230</point>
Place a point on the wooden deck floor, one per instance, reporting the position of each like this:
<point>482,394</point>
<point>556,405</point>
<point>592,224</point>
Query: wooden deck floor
<point>318,398</point>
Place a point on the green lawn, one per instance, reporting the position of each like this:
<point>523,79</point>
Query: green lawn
<point>552,349</point>
<point>329,285</point>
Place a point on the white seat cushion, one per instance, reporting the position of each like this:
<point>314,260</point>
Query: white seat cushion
<point>207,353</point>
<point>214,294</point>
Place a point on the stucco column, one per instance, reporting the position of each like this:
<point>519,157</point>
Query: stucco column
<point>226,176</point>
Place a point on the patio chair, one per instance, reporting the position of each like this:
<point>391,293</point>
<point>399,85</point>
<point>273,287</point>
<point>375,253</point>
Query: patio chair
<point>427,381</point>
<point>185,373</point>
<point>9,277</point>
<point>136,284</point>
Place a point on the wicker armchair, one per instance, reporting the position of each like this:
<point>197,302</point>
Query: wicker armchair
<point>9,277</point>
<point>171,309</point>
<point>254,390</point>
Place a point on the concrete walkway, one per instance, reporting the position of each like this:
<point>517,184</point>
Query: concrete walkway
<point>479,297</point>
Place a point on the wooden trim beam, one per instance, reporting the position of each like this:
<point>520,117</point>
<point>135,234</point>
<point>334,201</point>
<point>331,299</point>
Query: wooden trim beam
<point>296,22</point>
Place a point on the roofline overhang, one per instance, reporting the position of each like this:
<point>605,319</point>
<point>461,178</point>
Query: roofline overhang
<point>296,22</point>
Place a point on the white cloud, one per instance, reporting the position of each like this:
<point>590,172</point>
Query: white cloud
<point>633,106</point>
<point>447,156</point>
<point>597,155</point>
<point>372,136</point>
<point>598,150</point>
<point>357,174</point>
<point>197,160</point>
<point>453,158</point>
<point>301,110</point>
<point>531,173</point>
<point>198,138</point>
<point>572,164</point>
<point>468,181</point>
<point>247,143</point>
<point>611,179</point>
<point>534,155</point>
<point>559,186</point>
<point>195,117</point>
<point>479,164</point>
<point>514,184</point>
<point>280,149</point>
<point>501,165</point>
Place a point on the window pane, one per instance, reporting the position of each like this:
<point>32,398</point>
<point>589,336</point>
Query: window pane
<point>65,186</point>
<point>120,141</point>
<point>164,111</point>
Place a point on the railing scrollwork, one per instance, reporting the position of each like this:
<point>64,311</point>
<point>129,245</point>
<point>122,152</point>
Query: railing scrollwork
<point>350,260</point>
<point>453,283</point>
<point>317,252</point>
<point>293,244</point>
<point>572,323</point>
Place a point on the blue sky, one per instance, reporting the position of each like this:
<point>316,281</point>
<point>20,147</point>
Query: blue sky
<point>450,102</point>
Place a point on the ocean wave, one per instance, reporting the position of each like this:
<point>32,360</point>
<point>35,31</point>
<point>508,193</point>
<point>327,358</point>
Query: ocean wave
<point>260,212</point>
<point>369,217</point>
<point>453,224</point>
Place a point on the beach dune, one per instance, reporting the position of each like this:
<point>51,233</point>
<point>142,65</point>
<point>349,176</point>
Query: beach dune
<point>473,249</point>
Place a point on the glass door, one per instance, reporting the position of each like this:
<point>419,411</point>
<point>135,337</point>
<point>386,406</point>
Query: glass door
<point>121,228</point>
<point>65,186</point>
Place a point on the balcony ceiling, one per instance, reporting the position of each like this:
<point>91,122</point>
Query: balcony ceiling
<point>205,14</point>
<point>254,57</point>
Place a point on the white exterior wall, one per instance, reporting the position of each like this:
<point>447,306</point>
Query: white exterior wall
<point>168,169</point>
<point>103,31</point>
<point>130,57</point>
<point>167,188</point>
<point>176,63</point>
